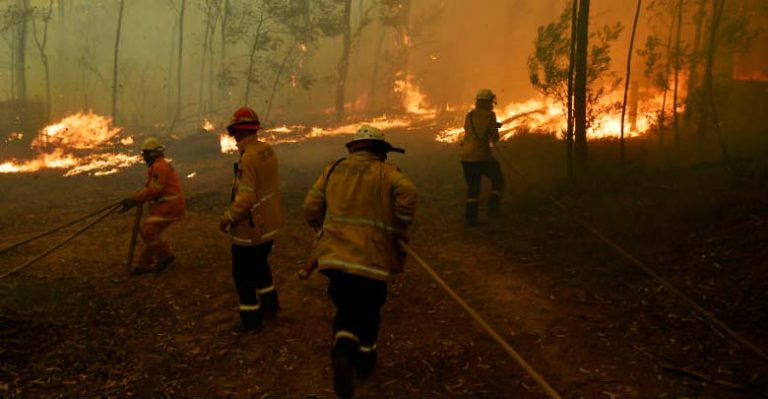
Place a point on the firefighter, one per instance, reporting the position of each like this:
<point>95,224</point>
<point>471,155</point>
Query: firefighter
<point>480,130</point>
<point>360,207</point>
<point>252,220</point>
<point>166,205</point>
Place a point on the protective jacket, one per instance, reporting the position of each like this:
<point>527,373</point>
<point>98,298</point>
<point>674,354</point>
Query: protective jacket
<point>163,192</point>
<point>360,206</point>
<point>480,129</point>
<point>256,212</point>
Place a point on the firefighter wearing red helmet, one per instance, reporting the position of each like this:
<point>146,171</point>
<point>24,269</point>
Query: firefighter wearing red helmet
<point>253,219</point>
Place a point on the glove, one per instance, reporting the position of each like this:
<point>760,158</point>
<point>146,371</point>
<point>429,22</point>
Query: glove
<point>224,225</point>
<point>127,204</point>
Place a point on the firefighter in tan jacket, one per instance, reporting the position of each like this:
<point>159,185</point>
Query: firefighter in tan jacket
<point>480,130</point>
<point>360,207</point>
<point>252,220</point>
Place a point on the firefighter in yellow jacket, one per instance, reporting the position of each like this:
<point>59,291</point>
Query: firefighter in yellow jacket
<point>360,207</point>
<point>166,205</point>
<point>480,130</point>
<point>252,220</point>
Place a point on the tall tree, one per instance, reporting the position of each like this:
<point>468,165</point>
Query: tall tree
<point>116,59</point>
<point>629,74</point>
<point>343,65</point>
<point>179,63</point>
<point>678,55</point>
<point>20,46</point>
<point>41,43</point>
<point>709,96</point>
<point>581,160</point>
<point>571,67</point>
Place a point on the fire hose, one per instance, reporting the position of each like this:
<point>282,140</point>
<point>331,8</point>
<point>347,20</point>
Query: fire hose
<point>637,262</point>
<point>545,386</point>
<point>55,229</point>
<point>109,210</point>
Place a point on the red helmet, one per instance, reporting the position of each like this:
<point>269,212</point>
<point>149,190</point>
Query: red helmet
<point>245,118</point>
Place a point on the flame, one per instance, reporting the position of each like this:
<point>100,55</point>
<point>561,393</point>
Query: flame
<point>191,175</point>
<point>81,131</point>
<point>208,125</point>
<point>15,136</point>
<point>752,77</point>
<point>414,100</point>
<point>227,143</point>
<point>62,145</point>
<point>544,115</point>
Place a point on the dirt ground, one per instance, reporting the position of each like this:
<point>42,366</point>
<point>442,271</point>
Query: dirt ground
<point>593,325</point>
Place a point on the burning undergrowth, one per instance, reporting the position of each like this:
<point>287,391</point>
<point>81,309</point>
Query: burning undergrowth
<point>79,143</point>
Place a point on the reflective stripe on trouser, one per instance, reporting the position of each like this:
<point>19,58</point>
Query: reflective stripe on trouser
<point>251,272</point>
<point>155,249</point>
<point>358,303</point>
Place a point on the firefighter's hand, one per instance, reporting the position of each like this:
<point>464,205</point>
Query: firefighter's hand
<point>127,204</point>
<point>224,225</point>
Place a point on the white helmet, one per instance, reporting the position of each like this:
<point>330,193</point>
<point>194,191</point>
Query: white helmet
<point>374,134</point>
<point>485,94</point>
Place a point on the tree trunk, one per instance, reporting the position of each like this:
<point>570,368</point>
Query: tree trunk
<point>251,59</point>
<point>223,92</point>
<point>663,113</point>
<point>571,66</point>
<point>179,63</point>
<point>203,63</point>
<point>41,47</point>
<point>581,158</point>
<point>343,66</point>
<point>20,46</point>
<point>627,78</point>
<point>277,79</point>
<point>693,99</point>
<point>115,60</point>
<point>375,73</point>
<point>717,13</point>
<point>678,50</point>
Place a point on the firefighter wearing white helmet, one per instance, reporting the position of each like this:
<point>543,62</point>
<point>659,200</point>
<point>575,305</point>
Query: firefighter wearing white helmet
<point>166,205</point>
<point>361,207</point>
<point>480,130</point>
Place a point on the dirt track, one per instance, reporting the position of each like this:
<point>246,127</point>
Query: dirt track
<point>594,327</point>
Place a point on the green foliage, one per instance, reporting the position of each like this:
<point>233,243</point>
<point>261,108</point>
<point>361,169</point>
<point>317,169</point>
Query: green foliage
<point>548,65</point>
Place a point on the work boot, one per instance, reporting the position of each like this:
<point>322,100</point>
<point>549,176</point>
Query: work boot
<point>141,269</point>
<point>251,320</point>
<point>342,357</point>
<point>471,213</point>
<point>494,205</point>
<point>165,264</point>
<point>270,304</point>
<point>365,361</point>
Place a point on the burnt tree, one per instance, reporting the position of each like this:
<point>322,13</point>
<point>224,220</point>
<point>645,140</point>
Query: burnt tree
<point>580,153</point>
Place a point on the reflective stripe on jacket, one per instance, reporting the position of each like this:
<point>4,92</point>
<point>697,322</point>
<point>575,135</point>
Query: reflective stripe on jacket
<point>255,211</point>
<point>360,211</point>
<point>163,192</point>
<point>480,129</point>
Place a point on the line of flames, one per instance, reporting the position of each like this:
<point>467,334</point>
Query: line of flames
<point>63,145</point>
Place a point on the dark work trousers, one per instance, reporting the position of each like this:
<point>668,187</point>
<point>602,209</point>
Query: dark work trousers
<point>358,303</point>
<point>253,278</point>
<point>473,174</point>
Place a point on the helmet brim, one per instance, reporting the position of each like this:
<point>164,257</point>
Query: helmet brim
<point>243,126</point>
<point>387,147</point>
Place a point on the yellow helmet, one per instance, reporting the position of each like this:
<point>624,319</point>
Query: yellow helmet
<point>485,94</point>
<point>152,144</point>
